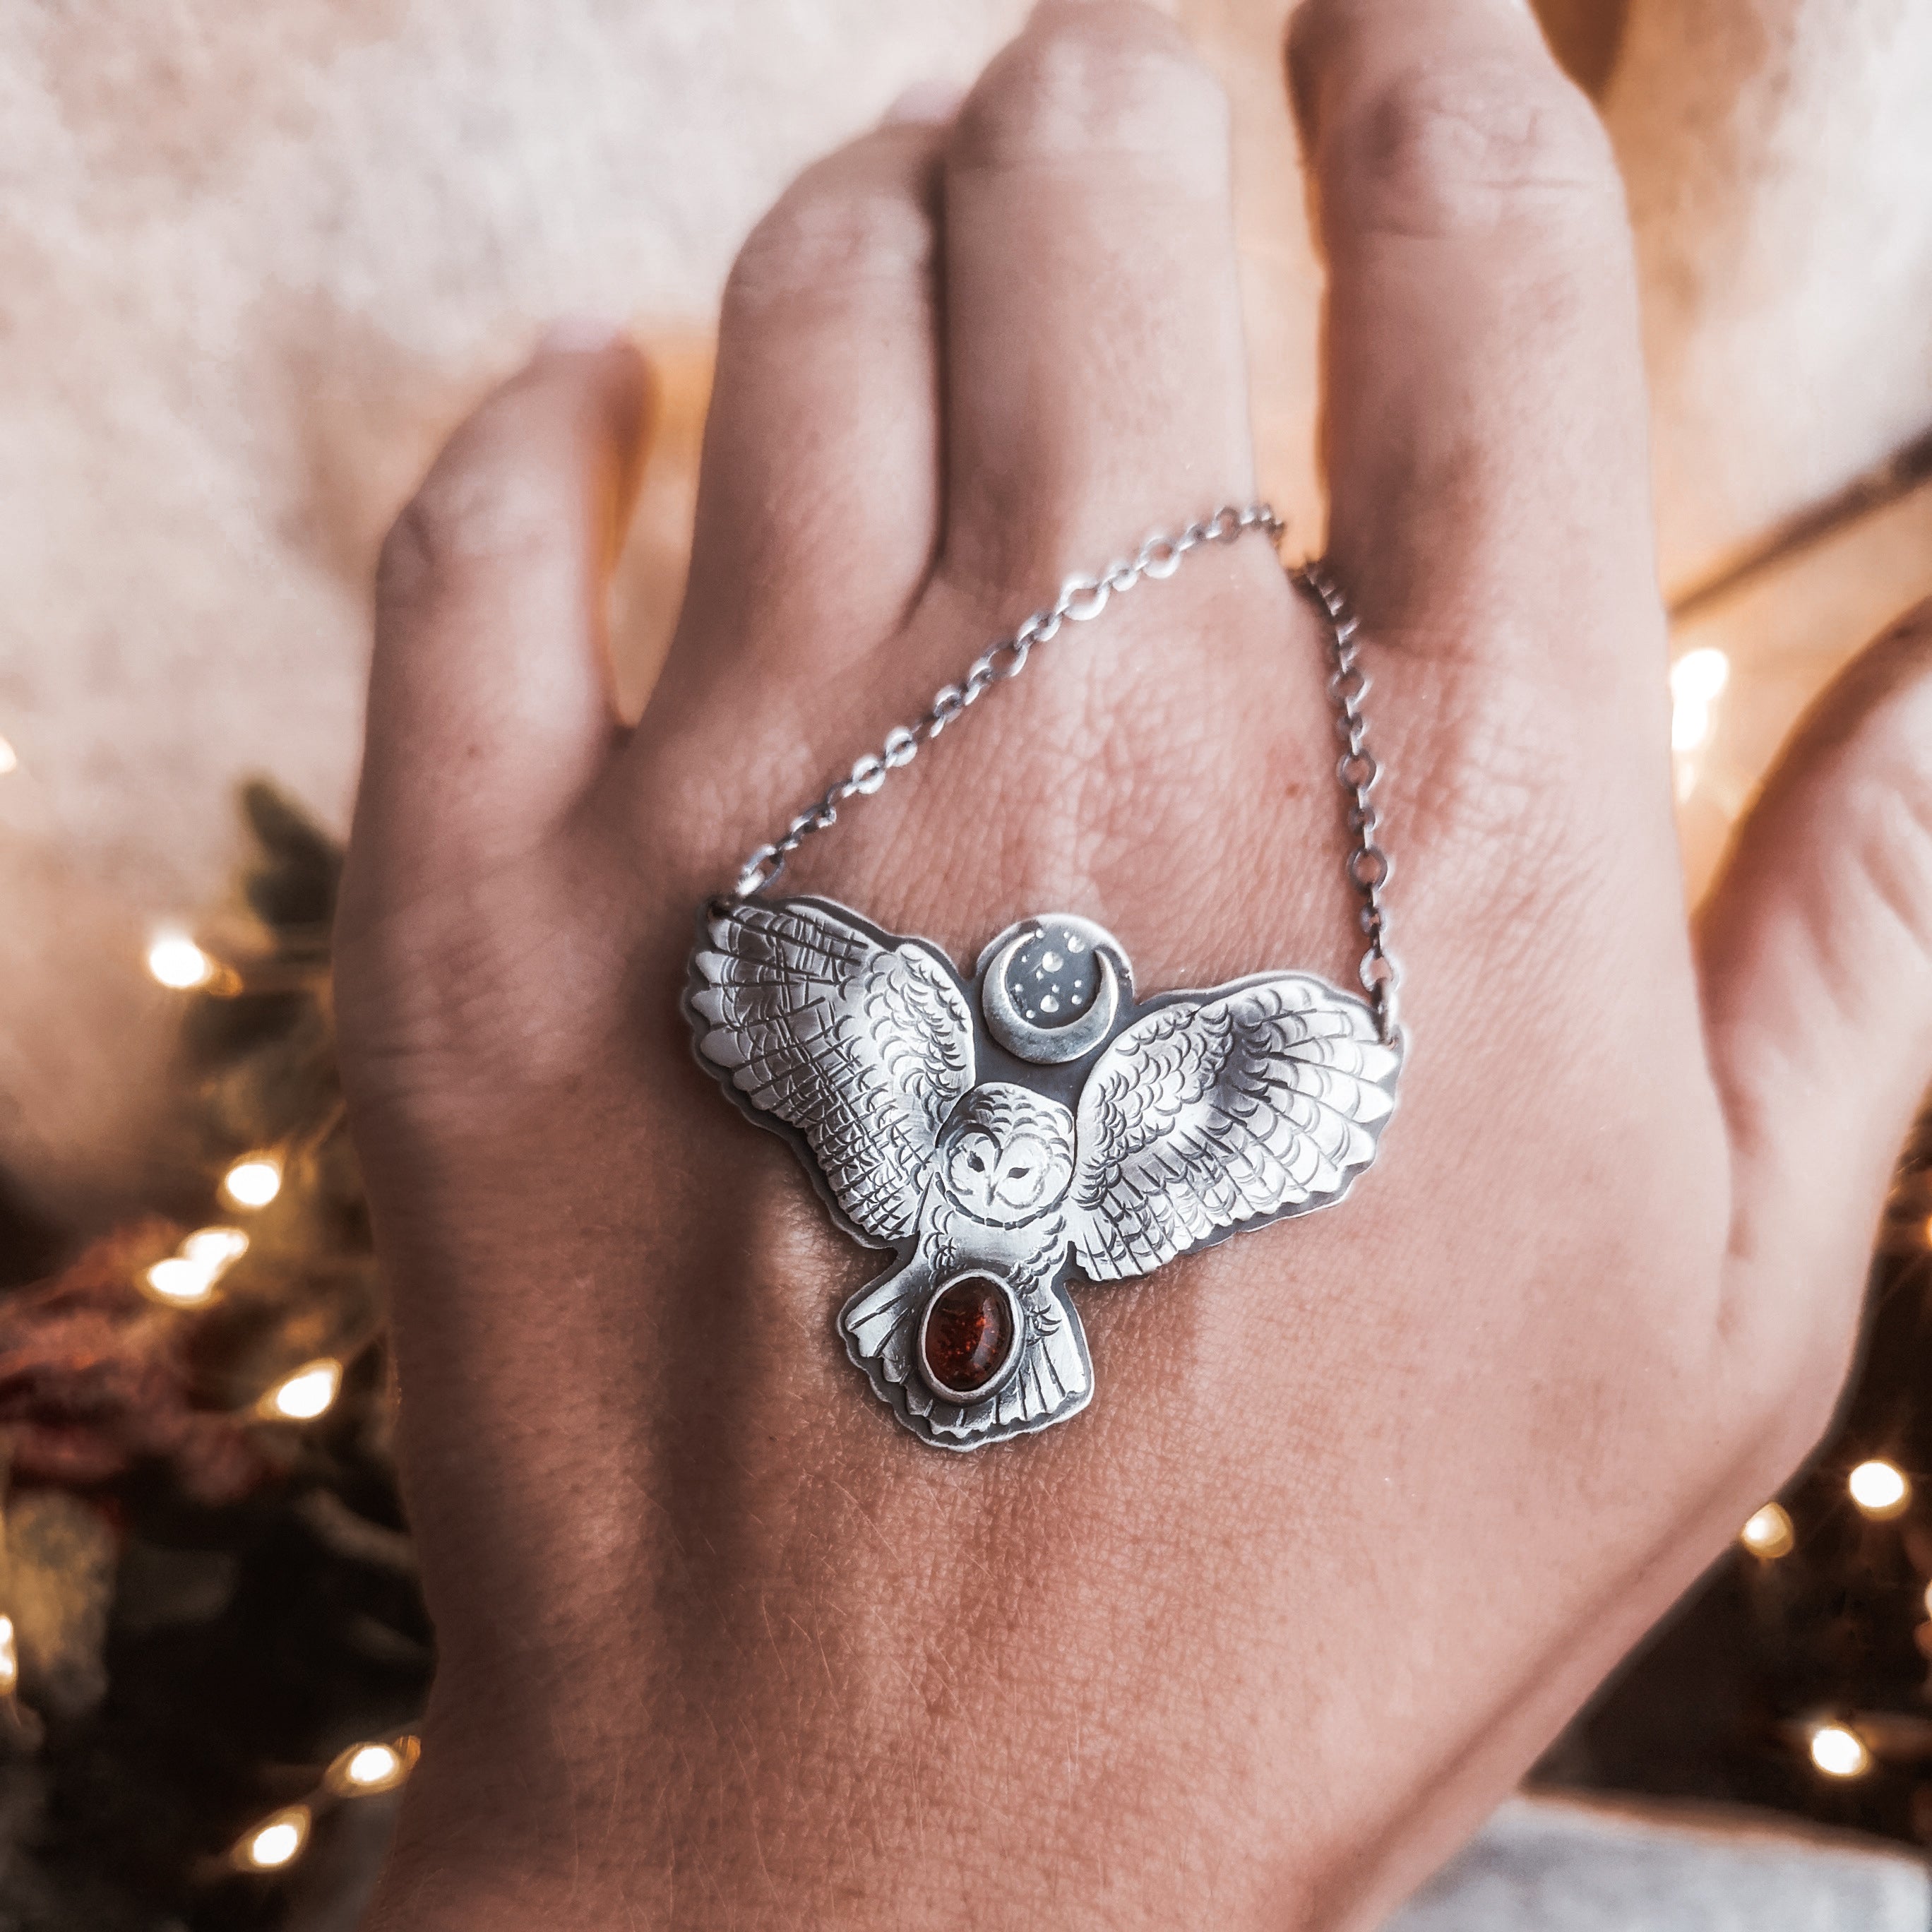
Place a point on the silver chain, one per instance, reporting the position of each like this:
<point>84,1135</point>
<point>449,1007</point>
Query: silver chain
<point>1367,866</point>
<point>1080,600</point>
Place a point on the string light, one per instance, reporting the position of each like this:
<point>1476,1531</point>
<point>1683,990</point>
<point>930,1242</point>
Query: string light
<point>10,1659</point>
<point>179,1282</point>
<point>186,1278</point>
<point>216,1248</point>
<point>1879,1489</point>
<point>1768,1533</point>
<point>363,1770</point>
<point>1697,679</point>
<point>310,1392</point>
<point>275,1842</point>
<point>253,1181</point>
<point>176,961</point>
<point>360,1772</point>
<point>10,759</point>
<point>1840,1752</point>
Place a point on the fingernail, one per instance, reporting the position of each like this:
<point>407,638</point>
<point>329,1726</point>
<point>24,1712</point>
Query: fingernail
<point>579,335</point>
<point>925,103</point>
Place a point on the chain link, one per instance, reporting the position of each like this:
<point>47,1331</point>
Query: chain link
<point>1080,600</point>
<point>1367,866</point>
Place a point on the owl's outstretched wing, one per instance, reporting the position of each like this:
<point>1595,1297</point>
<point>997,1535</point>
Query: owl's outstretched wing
<point>1263,1099</point>
<point>861,1044</point>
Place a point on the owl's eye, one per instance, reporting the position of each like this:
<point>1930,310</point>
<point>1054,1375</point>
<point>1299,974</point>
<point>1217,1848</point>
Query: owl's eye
<point>1019,1173</point>
<point>978,1165</point>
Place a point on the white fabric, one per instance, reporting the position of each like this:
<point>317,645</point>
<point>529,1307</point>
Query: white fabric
<point>1554,1865</point>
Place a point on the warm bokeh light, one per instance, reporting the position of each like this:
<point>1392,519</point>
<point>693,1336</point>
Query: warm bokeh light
<point>1839,1752</point>
<point>310,1392</point>
<point>1768,1533</point>
<point>253,1181</point>
<point>1700,674</point>
<point>216,1248</point>
<point>179,1282</point>
<point>1697,679</point>
<point>275,1841</point>
<point>10,1659</point>
<point>373,1765</point>
<point>363,1770</point>
<point>10,759</point>
<point>1879,1489</point>
<point>175,961</point>
<point>186,1278</point>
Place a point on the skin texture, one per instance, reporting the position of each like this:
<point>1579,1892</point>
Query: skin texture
<point>1365,1503</point>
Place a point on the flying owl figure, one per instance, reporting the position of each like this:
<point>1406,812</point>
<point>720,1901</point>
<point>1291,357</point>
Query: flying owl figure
<point>998,1134</point>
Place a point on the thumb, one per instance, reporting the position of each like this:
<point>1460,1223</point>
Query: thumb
<point>1815,949</point>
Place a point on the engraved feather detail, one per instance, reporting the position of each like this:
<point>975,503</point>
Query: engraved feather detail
<point>864,1048</point>
<point>1263,1098</point>
<point>1203,1115</point>
<point>1052,1376</point>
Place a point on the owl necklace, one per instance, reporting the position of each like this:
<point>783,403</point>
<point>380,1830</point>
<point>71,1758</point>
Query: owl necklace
<point>999,1133</point>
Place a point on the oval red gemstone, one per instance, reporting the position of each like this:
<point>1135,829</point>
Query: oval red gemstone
<point>969,1334</point>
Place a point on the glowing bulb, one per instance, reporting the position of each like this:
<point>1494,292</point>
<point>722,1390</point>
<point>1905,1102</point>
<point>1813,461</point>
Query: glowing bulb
<point>1928,1599</point>
<point>175,961</point>
<point>1690,724</point>
<point>363,1769</point>
<point>10,1658</point>
<point>275,1841</point>
<point>1768,1533</point>
<point>373,1764</point>
<point>307,1394</point>
<point>10,759</point>
<point>188,1277</point>
<point>253,1181</point>
<point>1700,674</point>
<point>1879,1489</point>
<point>1839,1752</point>
<point>179,1282</point>
<point>215,1248</point>
<point>1696,680</point>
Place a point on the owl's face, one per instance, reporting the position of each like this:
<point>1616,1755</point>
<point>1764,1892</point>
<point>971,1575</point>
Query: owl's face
<point>1007,1155</point>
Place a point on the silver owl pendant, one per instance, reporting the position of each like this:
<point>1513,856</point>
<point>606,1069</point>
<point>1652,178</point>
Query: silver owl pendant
<point>1001,1133</point>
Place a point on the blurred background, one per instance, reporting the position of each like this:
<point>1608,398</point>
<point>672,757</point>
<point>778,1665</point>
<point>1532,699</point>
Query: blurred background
<point>258,260</point>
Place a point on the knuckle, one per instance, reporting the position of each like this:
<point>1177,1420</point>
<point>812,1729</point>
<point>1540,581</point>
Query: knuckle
<point>1484,804</point>
<point>408,559</point>
<point>1465,147</point>
<point>830,234</point>
<point>1114,81</point>
<point>475,511</point>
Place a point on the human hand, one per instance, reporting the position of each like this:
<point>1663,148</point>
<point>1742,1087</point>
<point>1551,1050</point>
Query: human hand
<point>1366,1503</point>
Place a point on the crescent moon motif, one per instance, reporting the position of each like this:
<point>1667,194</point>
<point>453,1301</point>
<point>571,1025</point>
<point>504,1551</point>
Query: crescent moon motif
<point>1039,1045</point>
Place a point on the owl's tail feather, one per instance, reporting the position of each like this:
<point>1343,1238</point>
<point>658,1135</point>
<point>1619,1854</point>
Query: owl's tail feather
<point>1053,1378</point>
<point>881,1321</point>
